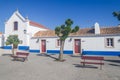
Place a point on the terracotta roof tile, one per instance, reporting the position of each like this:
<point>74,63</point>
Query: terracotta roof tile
<point>0,33</point>
<point>81,32</point>
<point>86,31</point>
<point>111,30</point>
<point>37,25</point>
<point>45,33</point>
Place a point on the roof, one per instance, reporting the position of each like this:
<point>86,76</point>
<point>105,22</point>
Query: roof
<point>0,33</point>
<point>48,33</point>
<point>81,32</point>
<point>111,30</point>
<point>37,25</point>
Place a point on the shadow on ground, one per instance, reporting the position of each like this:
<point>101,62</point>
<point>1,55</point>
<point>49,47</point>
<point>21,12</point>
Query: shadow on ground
<point>7,54</point>
<point>77,56</point>
<point>86,66</point>
<point>115,65</point>
<point>48,55</point>
<point>115,61</point>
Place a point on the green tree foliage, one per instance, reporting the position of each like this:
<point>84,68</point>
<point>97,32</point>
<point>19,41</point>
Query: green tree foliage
<point>63,32</point>
<point>12,40</point>
<point>117,15</point>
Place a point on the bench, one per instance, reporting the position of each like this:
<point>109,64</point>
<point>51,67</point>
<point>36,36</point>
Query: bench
<point>21,55</point>
<point>92,60</point>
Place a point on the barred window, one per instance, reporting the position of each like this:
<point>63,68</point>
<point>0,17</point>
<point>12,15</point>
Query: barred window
<point>109,42</point>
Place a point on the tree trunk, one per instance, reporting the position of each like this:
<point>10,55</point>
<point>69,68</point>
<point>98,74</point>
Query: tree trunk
<point>13,50</point>
<point>61,50</point>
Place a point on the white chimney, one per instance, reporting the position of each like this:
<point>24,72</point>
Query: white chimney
<point>118,25</point>
<point>97,28</point>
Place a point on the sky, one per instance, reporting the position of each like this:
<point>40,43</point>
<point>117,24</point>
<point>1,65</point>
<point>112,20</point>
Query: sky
<point>53,13</point>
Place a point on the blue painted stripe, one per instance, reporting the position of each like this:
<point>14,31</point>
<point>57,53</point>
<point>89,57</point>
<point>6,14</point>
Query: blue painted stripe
<point>23,47</point>
<point>104,53</point>
<point>34,51</point>
<point>58,51</point>
<point>7,47</point>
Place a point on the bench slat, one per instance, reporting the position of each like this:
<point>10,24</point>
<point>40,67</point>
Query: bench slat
<point>22,55</point>
<point>93,63</point>
<point>93,57</point>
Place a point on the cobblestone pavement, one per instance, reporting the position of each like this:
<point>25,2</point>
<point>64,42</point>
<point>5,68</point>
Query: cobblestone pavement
<point>46,68</point>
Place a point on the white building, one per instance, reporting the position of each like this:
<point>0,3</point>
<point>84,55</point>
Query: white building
<point>39,39</point>
<point>23,27</point>
<point>1,40</point>
<point>104,41</point>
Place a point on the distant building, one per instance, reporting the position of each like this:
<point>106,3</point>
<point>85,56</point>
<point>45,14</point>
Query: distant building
<point>36,38</point>
<point>1,40</point>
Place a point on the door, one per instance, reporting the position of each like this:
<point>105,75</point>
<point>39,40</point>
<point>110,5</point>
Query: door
<point>77,47</point>
<point>43,45</point>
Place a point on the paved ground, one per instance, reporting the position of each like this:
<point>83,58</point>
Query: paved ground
<point>46,68</point>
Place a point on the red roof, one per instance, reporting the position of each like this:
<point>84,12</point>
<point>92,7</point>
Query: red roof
<point>0,33</point>
<point>81,32</point>
<point>37,25</point>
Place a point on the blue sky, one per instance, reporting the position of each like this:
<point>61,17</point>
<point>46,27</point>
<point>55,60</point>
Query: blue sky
<point>52,13</point>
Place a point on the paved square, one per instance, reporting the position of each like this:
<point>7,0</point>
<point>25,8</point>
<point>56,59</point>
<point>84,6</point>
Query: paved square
<point>46,68</point>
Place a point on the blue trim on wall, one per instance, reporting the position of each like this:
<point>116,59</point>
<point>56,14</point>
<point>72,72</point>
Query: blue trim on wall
<point>34,51</point>
<point>104,53</point>
<point>7,47</point>
<point>58,51</point>
<point>23,47</point>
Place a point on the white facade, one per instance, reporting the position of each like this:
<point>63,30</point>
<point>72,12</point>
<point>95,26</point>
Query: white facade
<point>92,40</point>
<point>95,40</point>
<point>90,43</point>
<point>1,40</point>
<point>25,30</point>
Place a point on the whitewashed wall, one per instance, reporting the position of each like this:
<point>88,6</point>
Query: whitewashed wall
<point>32,29</point>
<point>52,44</point>
<point>0,41</point>
<point>87,43</point>
<point>9,28</point>
<point>23,24</point>
<point>34,44</point>
<point>98,43</point>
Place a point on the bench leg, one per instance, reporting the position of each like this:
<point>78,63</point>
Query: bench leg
<point>84,64</point>
<point>23,59</point>
<point>100,67</point>
<point>14,59</point>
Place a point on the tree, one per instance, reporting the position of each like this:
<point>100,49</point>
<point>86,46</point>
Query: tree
<point>14,41</point>
<point>117,14</point>
<point>63,32</point>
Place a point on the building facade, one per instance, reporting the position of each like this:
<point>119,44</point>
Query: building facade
<point>23,27</point>
<point>36,38</point>
<point>95,41</point>
<point>1,40</point>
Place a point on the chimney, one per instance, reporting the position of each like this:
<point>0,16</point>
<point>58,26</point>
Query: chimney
<point>97,28</point>
<point>118,25</point>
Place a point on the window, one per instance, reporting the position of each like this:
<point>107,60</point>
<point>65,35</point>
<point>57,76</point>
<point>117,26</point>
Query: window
<point>21,41</point>
<point>58,42</point>
<point>15,25</point>
<point>109,42</point>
